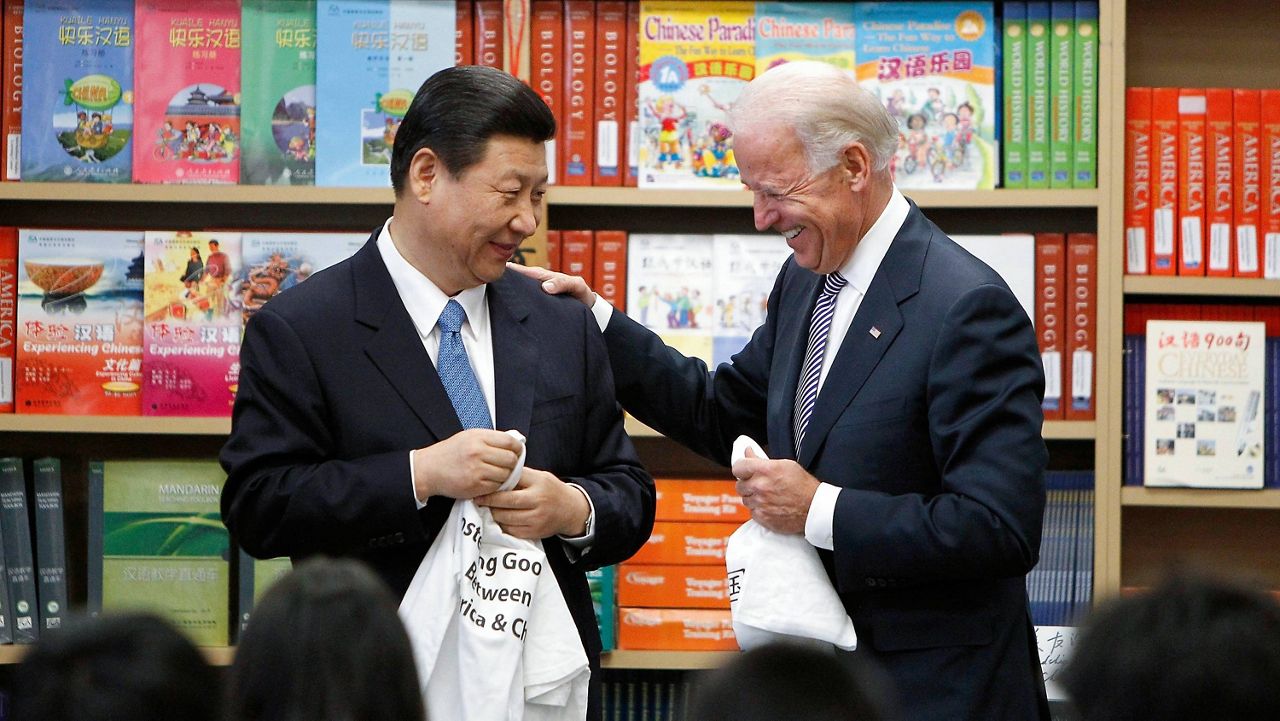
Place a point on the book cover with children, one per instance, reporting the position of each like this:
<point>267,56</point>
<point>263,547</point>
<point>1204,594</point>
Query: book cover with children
<point>191,352</point>
<point>278,73</point>
<point>745,269</point>
<point>79,349</point>
<point>275,262</point>
<point>374,55</point>
<point>695,59</point>
<point>933,66</point>
<point>187,70</point>
<point>791,31</point>
<point>78,91</point>
<point>671,289</point>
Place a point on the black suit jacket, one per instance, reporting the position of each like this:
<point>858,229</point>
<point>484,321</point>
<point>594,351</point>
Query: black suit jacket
<point>336,389</point>
<point>930,422</point>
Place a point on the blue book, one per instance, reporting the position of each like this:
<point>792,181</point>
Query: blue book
<point>77,114</point>
<point>372,57</point>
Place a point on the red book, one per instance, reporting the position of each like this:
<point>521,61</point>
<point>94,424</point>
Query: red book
<point>610,81</point>
<point>1191,181</point>
<point>548,70</point>
<point>1247,107</point>
<point>515,38</point>
<point>1137,180</point>
<point>1271,183</point>
<point>11,117</point>
<point>488,33</point>
<point>611,267</point>
<point>464,48</point>
<point>631,99</point>
<point>553,250</point>
<point>578,134</point>
<point>577,254</point>
<point>1051,268</point>
<point>1082,324</point>
<point>8,314</point>
<point>1219,130</point>
<point>1164,212</point>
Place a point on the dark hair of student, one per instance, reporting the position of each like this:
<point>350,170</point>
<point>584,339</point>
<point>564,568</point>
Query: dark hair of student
<point>132,666</point>
<point>458,109</point>
<point>325,642</point>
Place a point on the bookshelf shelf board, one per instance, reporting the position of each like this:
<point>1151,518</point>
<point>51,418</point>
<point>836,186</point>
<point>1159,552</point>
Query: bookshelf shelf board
<point>1266,498</point>
<point>300,194</point>
<point>1174,285</point>
<point>1053,430</point>
<point>566,195</point>
<point>666,660</point>
<point>11,654</point>
<point>219,655</point>
<point>144,425</point>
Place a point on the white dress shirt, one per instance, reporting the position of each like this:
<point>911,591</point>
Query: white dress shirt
<point>858,271</point>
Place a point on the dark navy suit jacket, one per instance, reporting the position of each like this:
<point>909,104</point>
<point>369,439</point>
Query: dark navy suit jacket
<point>336,389</point>
<point>931,425</point>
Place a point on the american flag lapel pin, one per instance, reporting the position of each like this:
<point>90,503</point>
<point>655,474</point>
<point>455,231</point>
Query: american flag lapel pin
<point>875,332</point>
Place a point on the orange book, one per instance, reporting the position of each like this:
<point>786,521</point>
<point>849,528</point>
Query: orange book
<point>8,314</point>
<point>1191,181</point>
<point>577,137</point>
<point>487,16</point>
<point>548,70</point>
<point>1137,180</point>
<point>1164,213</point>
<point>1218,201</point>
<point>674,542</point>
<point>577,254</point>
<point>610,276</point>
<point>1271,183</point>
<point>1247,108</point>
<point>464,47</point>
<point>675,629</point>
<point>553,250</point>
<point>699,500</point>
<point>1082,324</point>
<point>672,586</point>
<point>1051,269</point>
<point>631,99</point>
<point>611,65</point>
<point>11,114</point>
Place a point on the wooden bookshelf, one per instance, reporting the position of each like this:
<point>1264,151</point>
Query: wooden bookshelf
<point>666,660</point>
<point>1174,285</point>
<point>1268,498</point>
<point>146,425</point>
<point>742,199</point>
<point>1053,430</point>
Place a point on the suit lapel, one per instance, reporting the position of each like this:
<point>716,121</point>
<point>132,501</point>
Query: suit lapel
<point>515,357</point>
<point>395,347</point>
<point>791,342</point>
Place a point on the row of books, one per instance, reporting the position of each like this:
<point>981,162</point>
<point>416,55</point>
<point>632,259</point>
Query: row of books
<point>1060,587</point>
<point>295,92</point>
<point>1066,322</point>
<point>637,695</point>
<point>1202,182</point>
<point>1201,395</point>
<point>33,546</point>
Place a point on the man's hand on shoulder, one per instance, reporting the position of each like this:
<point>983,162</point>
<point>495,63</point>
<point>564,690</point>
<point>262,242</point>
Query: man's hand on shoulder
<point>541,505</point>
<point>558,283</point>
<point>465,465</point>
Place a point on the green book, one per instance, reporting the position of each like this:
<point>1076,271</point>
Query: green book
<point>1015,95</point>
<point>51,542</point>
<point>157,543</point>
<point>278,115</point>
<point>603,585</point>
<point>19,559</point>
<point>255,577</point>
<point>1037,94</point>
<point>1084,164</point>
<point>1062,31</point>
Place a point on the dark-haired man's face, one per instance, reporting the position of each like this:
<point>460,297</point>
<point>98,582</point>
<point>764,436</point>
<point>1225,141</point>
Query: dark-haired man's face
<point>480,218</point>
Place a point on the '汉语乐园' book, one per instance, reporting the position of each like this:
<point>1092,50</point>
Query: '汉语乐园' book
<point>278,73</point>
<point>791,31</point>
<point>78,91</point>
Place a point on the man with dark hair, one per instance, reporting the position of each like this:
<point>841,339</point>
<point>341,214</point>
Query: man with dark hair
<point>1191,648</point>
<point>369,395</point>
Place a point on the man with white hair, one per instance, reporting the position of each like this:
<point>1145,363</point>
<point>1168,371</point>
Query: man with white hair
<point>897,383</point>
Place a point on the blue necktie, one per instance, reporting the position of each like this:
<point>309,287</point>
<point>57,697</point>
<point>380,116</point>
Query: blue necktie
<point>807,389</point>
<point>455,370</point>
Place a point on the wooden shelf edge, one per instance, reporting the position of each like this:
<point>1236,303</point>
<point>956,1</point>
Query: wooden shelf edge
<point>565,195</point>
<point>12,654</point>
<point>666,660</point>
<point>1176,285</point>
<point>143,425</point>
<point>1053,430</point>
<point>1266,498</point>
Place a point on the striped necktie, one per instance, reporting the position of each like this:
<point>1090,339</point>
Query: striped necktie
<point>807,389</point>
<point>455,370</point>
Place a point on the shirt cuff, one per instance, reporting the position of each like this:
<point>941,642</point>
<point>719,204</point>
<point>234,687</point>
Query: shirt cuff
<point>413,486</point>
<point>603,311</point>
<point>579,545</point>
<point>819,524</point>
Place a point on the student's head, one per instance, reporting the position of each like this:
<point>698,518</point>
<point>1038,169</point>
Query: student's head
<point>794,682</point>
<point>1190,648</point>
<point>125,666</point>
<point>469,170</point>
<point>213,245</point>
<point>325,642</point>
